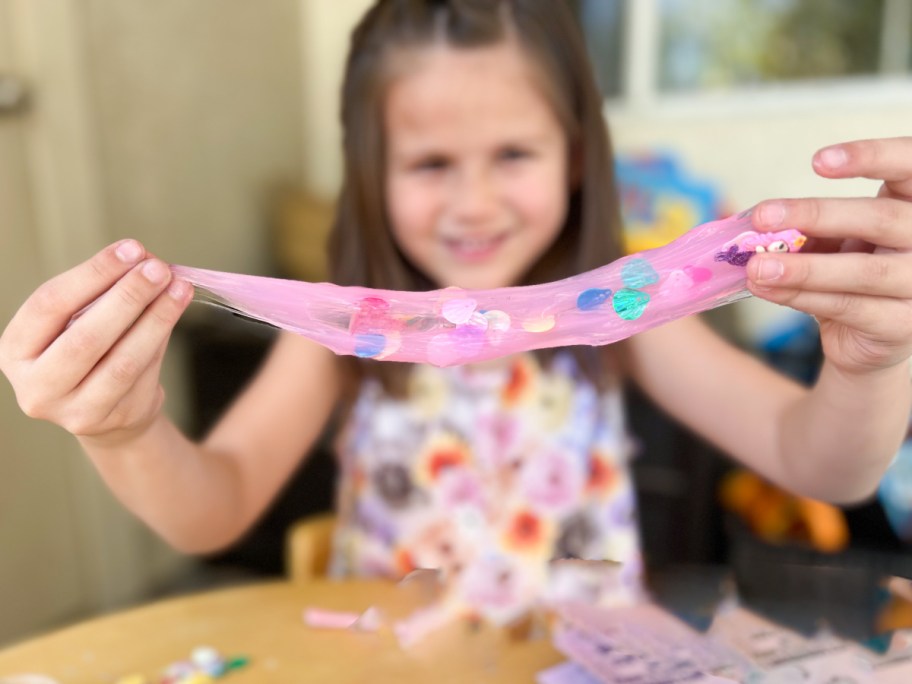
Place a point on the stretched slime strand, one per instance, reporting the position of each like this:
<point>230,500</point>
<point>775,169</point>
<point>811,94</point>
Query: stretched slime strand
<point>702,269</point>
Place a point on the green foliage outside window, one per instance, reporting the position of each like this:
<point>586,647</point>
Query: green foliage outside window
<point>729,43</point>
<point>724,44</point>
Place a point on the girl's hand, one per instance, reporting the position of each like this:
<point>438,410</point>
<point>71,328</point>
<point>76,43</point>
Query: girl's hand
<point>855,275</point>
<point>85,349</point>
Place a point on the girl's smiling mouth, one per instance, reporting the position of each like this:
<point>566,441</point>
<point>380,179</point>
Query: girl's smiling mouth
<point>475,248</point>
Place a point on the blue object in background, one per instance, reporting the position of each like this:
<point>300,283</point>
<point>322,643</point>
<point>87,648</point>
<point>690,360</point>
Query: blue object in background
<point>791,344</point>
<point>895,492</point>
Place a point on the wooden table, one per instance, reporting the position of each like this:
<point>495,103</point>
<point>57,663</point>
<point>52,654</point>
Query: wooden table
<point>264,622</point>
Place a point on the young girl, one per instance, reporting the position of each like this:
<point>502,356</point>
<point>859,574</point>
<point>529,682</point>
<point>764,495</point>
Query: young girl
<point>476,156</point>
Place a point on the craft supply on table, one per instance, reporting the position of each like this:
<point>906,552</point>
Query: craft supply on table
<point>606,642</point>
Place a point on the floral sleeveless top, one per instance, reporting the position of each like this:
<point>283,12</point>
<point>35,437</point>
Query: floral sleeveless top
<point>486,473</point>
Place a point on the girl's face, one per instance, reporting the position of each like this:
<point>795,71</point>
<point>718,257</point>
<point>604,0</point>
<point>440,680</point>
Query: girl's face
<point>476,166</point>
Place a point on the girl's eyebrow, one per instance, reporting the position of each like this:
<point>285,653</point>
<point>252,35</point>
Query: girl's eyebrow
<point>422,144</point>
<point>412,152</point>
<point>433,147</point>
<point>524,141</point>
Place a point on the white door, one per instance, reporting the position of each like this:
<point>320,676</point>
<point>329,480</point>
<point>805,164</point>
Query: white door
<point>67,549</point>
<point>40,581</point>
<point>166,121</point>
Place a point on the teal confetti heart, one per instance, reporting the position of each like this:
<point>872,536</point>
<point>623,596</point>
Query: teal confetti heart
<point>630,304</point>
<point>638,273</point>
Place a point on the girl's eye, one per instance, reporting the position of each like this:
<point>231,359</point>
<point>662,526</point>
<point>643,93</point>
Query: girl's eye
<point>778,246</point>
<point>513,154</point>
<point>431,164</point>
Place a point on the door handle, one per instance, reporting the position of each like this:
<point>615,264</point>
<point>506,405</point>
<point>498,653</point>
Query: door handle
<point>13,95</point>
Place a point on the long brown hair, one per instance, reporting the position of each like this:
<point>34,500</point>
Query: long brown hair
<point>362,249</point>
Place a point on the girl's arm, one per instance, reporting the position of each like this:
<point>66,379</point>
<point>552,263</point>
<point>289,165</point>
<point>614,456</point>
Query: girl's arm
<point>834,441</point>
<point>202,497</point>
<point>84,352</point>
<point>831,443</point>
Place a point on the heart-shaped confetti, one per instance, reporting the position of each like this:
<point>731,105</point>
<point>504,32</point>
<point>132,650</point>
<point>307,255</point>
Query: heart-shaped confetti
<point>638,273</point>
<point>373,304</point>
<point>498,321</point>
<point>370,345</point>
<point>539,325</point>
<point>677,282</point>
<point>372,315</point>
<point>458,311</point>
<point>392,345</point>
<point>456,346</point>
<point>697,273</point>
<point>630,304</point>
<point>477,321</point>
<point>592,298</point>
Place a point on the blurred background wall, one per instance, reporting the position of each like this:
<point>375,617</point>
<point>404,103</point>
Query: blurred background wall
<point>172,122</point>
<point>179,122</point>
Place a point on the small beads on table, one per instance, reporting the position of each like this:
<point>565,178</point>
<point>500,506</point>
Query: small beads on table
<point>206,665</point>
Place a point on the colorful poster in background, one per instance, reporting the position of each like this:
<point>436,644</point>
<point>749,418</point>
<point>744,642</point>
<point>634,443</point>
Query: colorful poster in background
<point>660,201</point>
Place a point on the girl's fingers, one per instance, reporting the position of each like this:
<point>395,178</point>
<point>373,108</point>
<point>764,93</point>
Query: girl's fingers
<point>47,312</point>
<point>121,375</point>
<point>886,159</point>
<point>884,275</point>
<point>880,317</point>
<point>146,398</point>
<point>119,370</point>
<point>880,221</point>
<point>99,416</point>
<point>822,246</point>
<point>73,355</point>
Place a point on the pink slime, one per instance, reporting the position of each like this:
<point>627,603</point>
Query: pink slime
<point>701,270</point>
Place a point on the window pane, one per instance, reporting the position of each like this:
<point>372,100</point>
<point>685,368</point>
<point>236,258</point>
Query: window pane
<point>602,22</point>
<point>730,43</point>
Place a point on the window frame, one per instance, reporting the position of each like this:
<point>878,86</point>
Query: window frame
<point>639,79</point>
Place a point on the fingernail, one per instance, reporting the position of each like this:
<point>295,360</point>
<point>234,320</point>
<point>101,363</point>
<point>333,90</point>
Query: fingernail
<point>155,272</point>
<point>771,213</point>
<point>769,269</point>
<point>177,289</point>
<point>129,251</point>
<point>833,157</point>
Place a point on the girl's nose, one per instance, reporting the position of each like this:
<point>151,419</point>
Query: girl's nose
<point>474,195</point>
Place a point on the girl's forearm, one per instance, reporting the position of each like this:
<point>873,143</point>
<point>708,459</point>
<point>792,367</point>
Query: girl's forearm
<point>837,440</point>
<point>189,495</point>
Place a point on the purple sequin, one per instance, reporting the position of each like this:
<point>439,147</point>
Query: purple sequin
<point>734,257</point>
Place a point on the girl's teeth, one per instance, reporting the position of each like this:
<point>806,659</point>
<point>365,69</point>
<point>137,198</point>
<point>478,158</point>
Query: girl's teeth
<point>475,245</point>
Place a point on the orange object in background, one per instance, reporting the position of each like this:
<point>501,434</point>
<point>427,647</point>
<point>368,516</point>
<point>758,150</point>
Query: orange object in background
<point>777,516</point>
<point>897,613</point>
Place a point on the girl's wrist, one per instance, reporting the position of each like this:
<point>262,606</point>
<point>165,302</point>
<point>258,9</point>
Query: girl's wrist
<point>899,371</point>
<point>121,439</point>
<point>889,387</point>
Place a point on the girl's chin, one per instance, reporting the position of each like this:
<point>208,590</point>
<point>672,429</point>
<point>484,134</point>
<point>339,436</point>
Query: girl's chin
<point>477,281</point>
<point>490,276</point>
